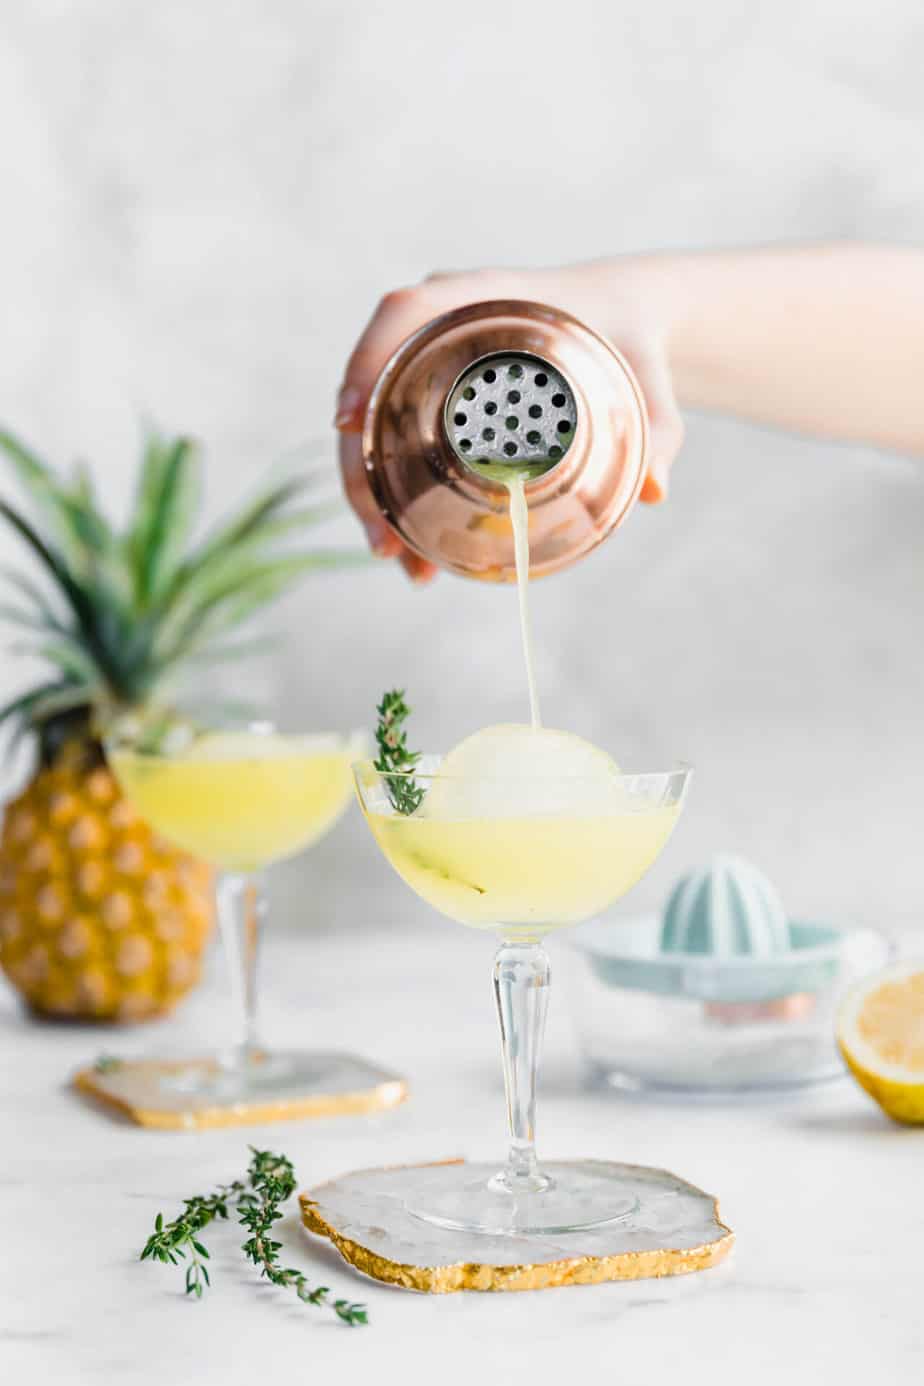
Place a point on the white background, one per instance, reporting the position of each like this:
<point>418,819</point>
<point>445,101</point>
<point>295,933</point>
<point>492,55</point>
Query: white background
<point>202,203</point>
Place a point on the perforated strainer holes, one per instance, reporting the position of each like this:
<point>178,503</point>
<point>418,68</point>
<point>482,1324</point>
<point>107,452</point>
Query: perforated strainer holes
<point>511,406</point>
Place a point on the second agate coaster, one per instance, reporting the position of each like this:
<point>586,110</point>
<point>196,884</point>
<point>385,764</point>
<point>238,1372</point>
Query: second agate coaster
<point>675,1230</point>
<point>188,1095</point>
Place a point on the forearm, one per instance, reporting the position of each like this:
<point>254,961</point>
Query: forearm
<point>826,340</point>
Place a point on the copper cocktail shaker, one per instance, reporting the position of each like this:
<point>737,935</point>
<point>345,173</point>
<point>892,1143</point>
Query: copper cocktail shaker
<point>492,386</point>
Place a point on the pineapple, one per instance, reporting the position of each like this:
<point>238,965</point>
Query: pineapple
<point>99,918</point>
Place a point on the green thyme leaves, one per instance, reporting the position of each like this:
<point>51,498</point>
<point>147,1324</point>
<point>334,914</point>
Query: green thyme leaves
<point>395,761</point>
<point>257,1201</point>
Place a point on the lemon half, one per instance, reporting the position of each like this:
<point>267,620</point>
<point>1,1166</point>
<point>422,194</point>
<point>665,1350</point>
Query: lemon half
<point>880,1031</point>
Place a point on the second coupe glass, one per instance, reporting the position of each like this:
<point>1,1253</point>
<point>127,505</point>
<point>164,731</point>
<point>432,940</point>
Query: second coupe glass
<point>240,800</point>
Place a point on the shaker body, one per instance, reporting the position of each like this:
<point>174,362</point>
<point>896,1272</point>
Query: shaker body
<point>425,467</point>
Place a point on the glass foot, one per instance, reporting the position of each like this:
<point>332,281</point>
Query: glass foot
<point>577,1195</point>
<point>263,1073</point>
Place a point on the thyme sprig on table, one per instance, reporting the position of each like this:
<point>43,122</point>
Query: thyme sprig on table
<point>179,1238</point>
<point>403,791</point>
<point>272,1181</point>
<point>258,1203</point>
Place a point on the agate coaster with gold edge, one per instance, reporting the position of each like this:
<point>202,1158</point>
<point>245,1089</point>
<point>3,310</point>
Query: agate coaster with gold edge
<point>674,1230</point>
<point>188,1095</point>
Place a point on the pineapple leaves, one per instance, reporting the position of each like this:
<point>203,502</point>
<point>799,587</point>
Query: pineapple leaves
<point>33,593</point>
<point>66,653</point>
<point>119,612</point>
<point>76,596</point>
<point>242,590</point>
<point>45,701</point>
<point>71,514</point>
<point>230,542</point>
<point>294,520</point>
<point>165,509</point>
<point>17,616</point>
<point>53,562</point>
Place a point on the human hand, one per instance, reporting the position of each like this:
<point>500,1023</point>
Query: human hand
<point>607,296</point>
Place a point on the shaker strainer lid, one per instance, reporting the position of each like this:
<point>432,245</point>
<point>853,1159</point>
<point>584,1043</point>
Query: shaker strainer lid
<point>511,410</point>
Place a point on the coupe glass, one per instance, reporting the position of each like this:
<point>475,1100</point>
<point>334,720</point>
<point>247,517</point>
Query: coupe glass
<point>239,799</point>
<point>469,850</point>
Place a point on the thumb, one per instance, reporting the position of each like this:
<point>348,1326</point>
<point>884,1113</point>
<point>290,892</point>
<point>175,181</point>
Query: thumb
<point>665,426</point>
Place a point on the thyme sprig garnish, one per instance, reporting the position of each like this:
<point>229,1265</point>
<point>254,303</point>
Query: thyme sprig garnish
<point>270,1182</point>
<point>403,791</point>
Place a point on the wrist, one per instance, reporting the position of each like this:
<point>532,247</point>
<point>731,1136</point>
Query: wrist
<point>629,298</point>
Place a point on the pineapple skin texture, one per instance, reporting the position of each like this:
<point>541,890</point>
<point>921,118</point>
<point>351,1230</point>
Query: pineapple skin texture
<point>99,918</point>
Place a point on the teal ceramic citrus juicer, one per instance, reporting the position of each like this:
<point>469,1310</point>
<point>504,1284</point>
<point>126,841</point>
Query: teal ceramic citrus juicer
<point>722,991</point>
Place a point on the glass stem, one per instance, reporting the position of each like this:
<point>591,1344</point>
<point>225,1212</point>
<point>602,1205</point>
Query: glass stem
<point>521,986</point>
<point>241,908</point>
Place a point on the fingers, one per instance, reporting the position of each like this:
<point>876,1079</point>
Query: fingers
<point>402,312</point>
<point>418,569</point>
<point>383,540</point>
<point>398,315</point>
<point>665,434</point>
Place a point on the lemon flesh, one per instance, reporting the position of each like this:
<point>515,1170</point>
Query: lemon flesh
<point>880,1032</point>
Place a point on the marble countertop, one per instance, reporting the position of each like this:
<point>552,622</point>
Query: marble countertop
<point>823,1193</point>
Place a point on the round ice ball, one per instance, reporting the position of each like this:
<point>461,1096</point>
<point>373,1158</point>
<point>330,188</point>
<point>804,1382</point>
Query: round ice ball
<point>726,909</point>
<point>513,771</point>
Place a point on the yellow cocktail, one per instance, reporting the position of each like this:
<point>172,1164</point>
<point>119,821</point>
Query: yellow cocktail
<point>241,800</point>
<point>523,875</point>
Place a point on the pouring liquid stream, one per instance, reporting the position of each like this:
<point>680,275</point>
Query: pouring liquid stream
<point>513,794</point>
<point>519,519</point>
